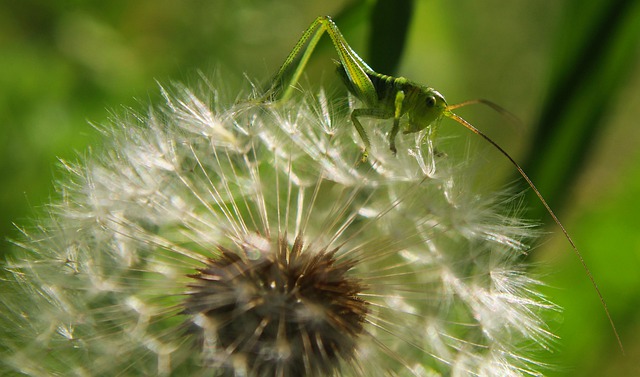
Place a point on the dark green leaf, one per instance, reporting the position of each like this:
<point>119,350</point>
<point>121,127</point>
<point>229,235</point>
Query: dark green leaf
<point>596,49</point>
<point>390,22</point>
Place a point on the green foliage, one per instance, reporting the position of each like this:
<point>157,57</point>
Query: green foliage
<point>592,61</point>
<point>390,21</point>
<point>594,58</point>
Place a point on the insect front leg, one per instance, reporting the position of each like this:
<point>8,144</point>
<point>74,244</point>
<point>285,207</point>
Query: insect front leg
<point>396,120</point>
<point>374,112</point>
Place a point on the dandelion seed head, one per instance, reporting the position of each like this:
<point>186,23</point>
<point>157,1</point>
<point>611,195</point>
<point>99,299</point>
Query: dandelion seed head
<point>291,312</point>
<point>217,238</point>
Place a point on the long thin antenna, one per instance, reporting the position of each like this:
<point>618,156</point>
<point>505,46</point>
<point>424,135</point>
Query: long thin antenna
<point>504,112</point>
<point>476,131</point>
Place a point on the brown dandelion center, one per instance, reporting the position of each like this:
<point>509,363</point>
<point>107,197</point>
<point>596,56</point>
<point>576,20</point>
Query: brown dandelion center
<point>293,312</point>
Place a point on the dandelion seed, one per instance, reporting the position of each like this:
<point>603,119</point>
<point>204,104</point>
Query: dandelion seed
<point>240,240</point>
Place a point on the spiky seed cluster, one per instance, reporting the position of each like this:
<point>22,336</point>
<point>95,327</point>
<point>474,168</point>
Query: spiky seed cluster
<point>284,313</point>
<point>211,239</point>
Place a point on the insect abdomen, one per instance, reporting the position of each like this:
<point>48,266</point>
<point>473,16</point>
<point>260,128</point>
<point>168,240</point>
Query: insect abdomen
<point>386,86</point>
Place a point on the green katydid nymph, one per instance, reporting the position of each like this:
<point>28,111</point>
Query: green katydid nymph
<point>388,97</point>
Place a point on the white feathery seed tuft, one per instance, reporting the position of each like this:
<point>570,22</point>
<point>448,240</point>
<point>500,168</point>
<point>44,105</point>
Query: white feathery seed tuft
<point>217,239</point>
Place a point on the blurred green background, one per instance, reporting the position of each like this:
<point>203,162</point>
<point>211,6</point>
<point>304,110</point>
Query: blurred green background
<point>569,69</point>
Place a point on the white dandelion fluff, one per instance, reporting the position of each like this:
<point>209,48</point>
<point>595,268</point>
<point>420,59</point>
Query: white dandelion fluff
<point>213,239</point>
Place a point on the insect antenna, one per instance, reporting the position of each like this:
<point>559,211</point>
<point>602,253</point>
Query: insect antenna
<point>476,131</point>
<point>504,112</point>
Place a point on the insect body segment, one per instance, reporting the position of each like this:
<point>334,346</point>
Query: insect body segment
<point>395,97</point>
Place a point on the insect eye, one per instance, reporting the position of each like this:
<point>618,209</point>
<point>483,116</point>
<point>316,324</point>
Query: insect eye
<point>431,101</point>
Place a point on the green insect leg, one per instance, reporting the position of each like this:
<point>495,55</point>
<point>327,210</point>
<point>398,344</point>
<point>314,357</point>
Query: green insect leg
<point>371,113</point>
